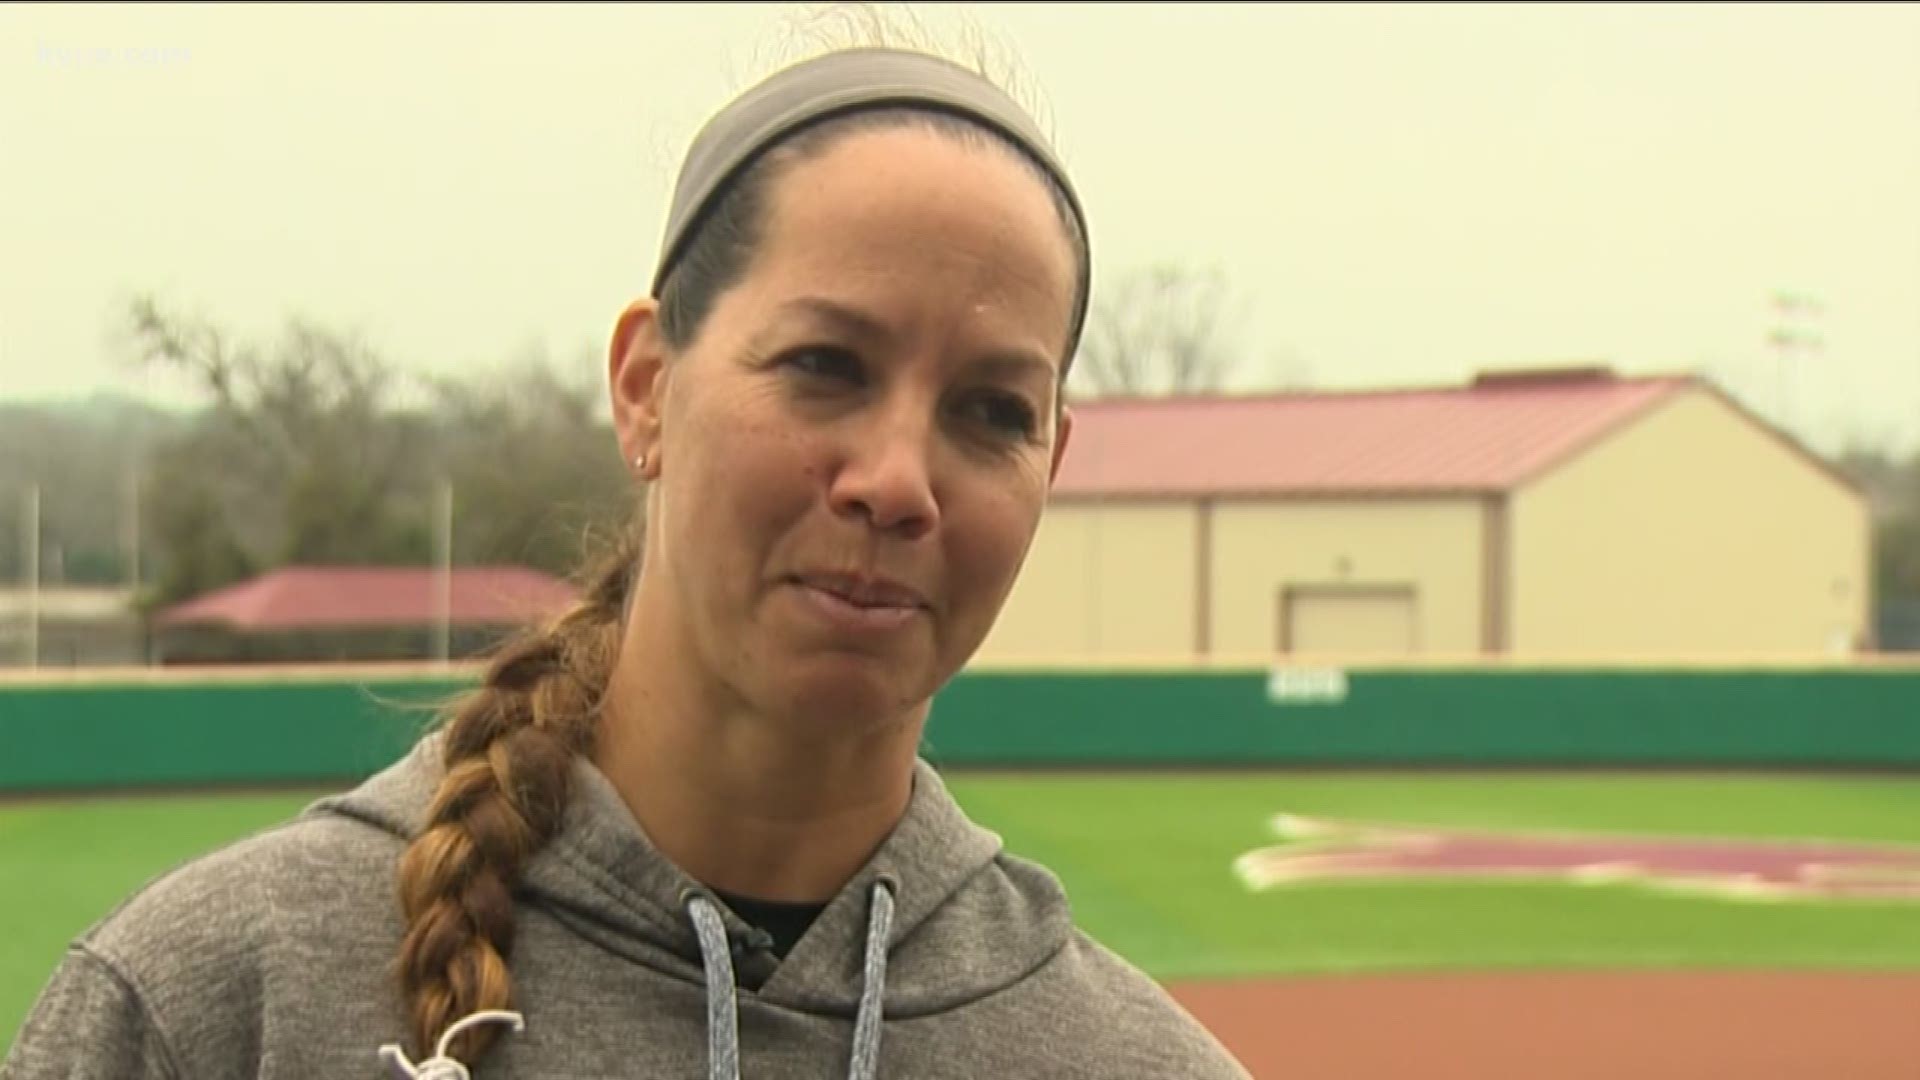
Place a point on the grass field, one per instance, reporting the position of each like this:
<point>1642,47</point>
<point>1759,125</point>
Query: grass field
<point>1147,861</point>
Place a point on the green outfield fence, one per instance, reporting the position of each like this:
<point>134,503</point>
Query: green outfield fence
<point>80,731</point>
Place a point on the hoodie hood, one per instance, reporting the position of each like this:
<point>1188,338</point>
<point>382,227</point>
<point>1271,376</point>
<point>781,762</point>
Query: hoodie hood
<point>964,920</point>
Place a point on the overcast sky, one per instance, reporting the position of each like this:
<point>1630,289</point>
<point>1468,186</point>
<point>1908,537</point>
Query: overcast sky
<point>1397,195</point>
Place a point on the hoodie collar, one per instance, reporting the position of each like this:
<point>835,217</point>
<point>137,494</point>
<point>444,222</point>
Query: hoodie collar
<point>606,880</point>
<point>602,861</point>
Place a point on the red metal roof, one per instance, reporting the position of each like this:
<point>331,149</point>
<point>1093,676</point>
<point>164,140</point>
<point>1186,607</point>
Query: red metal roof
<point>1485,437</point>
<point>341,597</point>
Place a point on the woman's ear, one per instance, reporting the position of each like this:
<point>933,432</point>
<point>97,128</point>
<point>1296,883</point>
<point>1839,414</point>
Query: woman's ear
<point>636,383</point>
<point>1060,444</point>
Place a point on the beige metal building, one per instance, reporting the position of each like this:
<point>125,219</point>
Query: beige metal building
<point>1554,514</point>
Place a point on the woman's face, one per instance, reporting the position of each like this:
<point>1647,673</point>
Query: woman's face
<point>853,455</point>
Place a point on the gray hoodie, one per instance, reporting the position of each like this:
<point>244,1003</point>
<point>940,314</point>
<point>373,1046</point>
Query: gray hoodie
<point>943,957</point>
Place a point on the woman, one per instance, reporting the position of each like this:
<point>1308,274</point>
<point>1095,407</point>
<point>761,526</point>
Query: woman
<point>685,830</point>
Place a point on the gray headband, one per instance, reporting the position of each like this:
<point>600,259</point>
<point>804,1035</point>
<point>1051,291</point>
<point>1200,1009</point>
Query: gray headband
<point>838,83</point>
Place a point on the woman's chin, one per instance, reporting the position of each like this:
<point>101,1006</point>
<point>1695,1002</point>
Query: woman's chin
<point>849,692</point>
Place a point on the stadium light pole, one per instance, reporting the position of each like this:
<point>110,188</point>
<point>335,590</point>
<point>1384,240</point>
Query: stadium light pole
<point>443,574</point>
<point>1788,339</point>
<point>32,547</point>
<point>133,530</point>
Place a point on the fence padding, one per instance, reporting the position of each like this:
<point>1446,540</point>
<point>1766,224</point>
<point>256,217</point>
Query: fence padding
<point>217,732</point>
<point>186,732</point>
<point>1848,717</point>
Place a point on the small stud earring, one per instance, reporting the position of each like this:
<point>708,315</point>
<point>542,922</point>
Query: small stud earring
<point>640,463</point>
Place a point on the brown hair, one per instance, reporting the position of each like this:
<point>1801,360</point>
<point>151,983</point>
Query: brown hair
<point>509,752</point>
<point>510,745</point>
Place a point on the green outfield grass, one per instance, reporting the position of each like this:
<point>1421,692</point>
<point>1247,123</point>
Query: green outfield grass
<point>1147,862</point>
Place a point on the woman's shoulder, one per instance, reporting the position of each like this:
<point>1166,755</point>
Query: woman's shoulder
<point>1138,1026</point>
<point>206,958</point>
<point>310,872</point>
<point>1089,996</point>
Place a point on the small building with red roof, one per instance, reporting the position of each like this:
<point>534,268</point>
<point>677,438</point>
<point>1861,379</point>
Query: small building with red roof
<point>1563,512</point>
<point>311,613</point>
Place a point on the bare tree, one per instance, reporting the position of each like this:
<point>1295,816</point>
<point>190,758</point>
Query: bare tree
<point>300,456</point>
<point>564,479</point>
<point>1162,330</point>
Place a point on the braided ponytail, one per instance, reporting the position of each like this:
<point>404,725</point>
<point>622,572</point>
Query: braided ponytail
<point>509,752</point>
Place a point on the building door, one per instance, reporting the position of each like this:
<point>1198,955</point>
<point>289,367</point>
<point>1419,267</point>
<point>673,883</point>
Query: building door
<point>1346,620</point>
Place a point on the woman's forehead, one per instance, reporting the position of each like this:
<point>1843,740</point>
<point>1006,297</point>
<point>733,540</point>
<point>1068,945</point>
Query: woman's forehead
<point>902,208</point>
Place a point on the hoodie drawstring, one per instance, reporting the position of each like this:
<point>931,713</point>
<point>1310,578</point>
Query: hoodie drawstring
<point>723,1023</point>
<point>440,1066</point>
<point>873,989</point>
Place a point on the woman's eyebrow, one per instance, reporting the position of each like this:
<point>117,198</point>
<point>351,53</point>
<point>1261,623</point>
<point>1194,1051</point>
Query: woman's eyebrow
<point>845,318</point>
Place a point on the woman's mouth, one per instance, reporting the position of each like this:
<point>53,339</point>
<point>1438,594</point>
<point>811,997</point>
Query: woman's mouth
<point>860,603</point>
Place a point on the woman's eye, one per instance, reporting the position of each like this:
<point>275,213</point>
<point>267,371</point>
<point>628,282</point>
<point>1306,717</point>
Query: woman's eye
<point>1006,413</point>
<point>825,363</point>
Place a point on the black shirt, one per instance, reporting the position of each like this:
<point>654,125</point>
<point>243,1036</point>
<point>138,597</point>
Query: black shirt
<point>786,921</point>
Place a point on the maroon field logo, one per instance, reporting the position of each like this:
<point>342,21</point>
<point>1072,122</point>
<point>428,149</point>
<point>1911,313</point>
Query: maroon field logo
<point>1322,849</point>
